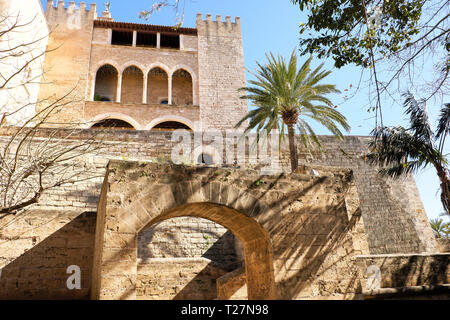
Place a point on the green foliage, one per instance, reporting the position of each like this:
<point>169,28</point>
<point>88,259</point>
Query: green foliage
<point>440,228</point>
<point>258,182</point>
<point>343,34</point>
<point>407,150</point>
<point>282,90</point>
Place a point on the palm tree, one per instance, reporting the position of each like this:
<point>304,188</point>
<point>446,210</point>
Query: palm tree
<point>285,95</point>
<point>402,151</point>
<point>440,228</point>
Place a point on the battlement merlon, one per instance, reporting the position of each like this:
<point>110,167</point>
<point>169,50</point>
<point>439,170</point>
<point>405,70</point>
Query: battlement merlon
<point>60,11</point>
<point>218,26</point>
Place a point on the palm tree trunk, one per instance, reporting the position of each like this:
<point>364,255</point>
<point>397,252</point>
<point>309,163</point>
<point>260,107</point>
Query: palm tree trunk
<point>292,147</point>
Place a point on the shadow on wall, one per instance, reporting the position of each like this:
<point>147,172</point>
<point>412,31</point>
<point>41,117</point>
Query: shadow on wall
<point>217,268</point>
<point>179,275</point>
<point>313,251</point>
<point>418,272</point>
<point>311,234</point>
<point>41,272</point>
<point>203,286</point>
<point>214,246</point>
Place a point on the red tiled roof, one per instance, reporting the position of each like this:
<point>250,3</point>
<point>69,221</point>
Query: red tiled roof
<point>143,27</point>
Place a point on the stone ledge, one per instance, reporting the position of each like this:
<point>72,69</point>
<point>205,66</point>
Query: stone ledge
<point>168,260</point>
<point>402,291</point>
<point>401,255</point>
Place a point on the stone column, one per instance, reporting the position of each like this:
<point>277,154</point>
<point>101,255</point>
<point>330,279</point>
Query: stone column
<point>134,38</point>
<point>169,94</point>
<point>158,40</point>
<point>144,97</point>
<point>92,96</point>
<point>181,42</point>
<point>119,88</point>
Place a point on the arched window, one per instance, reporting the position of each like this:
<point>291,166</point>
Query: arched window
<point>116,124</point>
<point>170,126</point>
<point>182,88</point>
<point>132,85</point>
<point>106,83</point>
<point>157,87</point>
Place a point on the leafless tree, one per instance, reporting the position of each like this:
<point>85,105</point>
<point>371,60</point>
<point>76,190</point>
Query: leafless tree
<point>35,155</point>
<point>177,5</point>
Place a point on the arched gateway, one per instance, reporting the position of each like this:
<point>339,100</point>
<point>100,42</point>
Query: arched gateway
<point>123,213</point>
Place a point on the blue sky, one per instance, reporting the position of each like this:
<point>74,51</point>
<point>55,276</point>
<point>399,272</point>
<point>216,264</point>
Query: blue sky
<point>269,25</point>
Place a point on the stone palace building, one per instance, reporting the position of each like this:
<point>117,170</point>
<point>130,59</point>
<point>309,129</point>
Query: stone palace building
<point>147,228</point>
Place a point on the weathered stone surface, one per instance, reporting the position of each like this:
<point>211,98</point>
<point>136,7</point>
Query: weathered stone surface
<point>328,227</point>
<point>36,250</point>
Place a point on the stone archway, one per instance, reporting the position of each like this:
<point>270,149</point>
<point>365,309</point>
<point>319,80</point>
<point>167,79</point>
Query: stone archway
<point>120,219</point>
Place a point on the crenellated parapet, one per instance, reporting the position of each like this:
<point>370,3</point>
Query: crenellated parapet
<point>72,16</point>
<point>218,27</point>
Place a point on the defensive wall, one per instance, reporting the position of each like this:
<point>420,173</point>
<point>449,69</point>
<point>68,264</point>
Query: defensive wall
<point>336,213</point>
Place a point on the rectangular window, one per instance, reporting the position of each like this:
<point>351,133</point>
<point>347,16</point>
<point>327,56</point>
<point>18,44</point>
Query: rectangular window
<point>145,39</point>
<point>170,41</point>
<point>122,38</point>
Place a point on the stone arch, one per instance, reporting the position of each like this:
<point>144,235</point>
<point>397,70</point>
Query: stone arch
<point>194,97</point>
<point>132,84</point>
<point>185,67</point>
<point>115,124</point>
<point>157,84</point>
<point>222,204</point>
<point>182,87</point>
<point>113,115</point>
<point>158,65</point>
<point>159,120</point>
<point>106,82</point>
<point>107,61</point>
<point>135,64</point>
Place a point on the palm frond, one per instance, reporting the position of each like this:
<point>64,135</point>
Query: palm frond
<point>280,91</point>
<point>419,119</point>
<point>443,128</point>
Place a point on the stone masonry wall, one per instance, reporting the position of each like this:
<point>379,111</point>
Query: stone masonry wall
<point>182,258</point>
<point>156,146</point>
<point>66,65</point>
<point>394,223</point>
<point>393,213</point>
<point>36,249</point>
<point>444,244</point>
<point>178,279</point>
<point>403,270</point>
<point>189,237</point>
<point>313,224</point>
<point>218,82</point>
